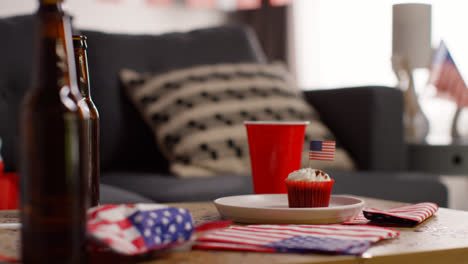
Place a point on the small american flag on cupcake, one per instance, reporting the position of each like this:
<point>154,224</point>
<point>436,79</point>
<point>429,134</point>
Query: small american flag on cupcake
<point>322,150</point>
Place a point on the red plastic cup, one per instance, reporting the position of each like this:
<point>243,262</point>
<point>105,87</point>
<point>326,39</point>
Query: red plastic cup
<point>8,191</point>
<point>275,151</point>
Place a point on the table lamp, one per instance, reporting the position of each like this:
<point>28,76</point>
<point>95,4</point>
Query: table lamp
<point>411,49</point>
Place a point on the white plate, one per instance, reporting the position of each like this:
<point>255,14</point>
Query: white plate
<point>273,209</point>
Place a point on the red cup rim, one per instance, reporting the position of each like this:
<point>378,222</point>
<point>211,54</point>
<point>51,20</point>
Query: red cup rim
<point>276,122</point>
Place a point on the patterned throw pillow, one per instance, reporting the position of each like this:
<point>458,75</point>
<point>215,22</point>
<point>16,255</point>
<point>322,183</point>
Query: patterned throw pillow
<point>197,114</point>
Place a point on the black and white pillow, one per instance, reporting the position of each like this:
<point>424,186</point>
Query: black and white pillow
<point>197,114</point>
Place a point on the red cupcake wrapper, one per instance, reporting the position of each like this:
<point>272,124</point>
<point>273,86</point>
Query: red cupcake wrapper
<point>309,194</point>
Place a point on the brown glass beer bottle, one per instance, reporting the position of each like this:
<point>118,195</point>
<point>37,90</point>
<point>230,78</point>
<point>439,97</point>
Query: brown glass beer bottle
<point>52,185</point>
<point>80,45</point>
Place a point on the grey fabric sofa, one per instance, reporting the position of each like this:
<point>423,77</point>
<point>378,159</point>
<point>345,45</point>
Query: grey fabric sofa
<point>367,121</point>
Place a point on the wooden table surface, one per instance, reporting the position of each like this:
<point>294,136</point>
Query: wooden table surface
<point>442,238</point>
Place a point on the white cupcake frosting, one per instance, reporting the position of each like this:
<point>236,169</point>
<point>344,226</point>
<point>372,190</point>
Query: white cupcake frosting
<point>308,175</point>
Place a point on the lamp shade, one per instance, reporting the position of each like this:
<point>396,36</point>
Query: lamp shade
<point>412,34</point>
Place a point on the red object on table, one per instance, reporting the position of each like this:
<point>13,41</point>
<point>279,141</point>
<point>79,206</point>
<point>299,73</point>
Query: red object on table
<point>275,151</point>
<point>8,191</point>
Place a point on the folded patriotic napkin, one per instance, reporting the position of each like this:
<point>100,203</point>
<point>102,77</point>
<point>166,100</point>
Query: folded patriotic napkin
<point>408,215</point>
<point>332,239</point>
<point>134,229</point>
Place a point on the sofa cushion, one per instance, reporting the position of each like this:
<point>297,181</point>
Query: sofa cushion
<point>163,188</point>
<point>15,78</point>
<point>126,142</point>
<point>115,195</point>
<point>197,114</point>
<point>368,121</point>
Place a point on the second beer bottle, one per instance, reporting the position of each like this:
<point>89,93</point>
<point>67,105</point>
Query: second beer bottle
<point>91,128</point>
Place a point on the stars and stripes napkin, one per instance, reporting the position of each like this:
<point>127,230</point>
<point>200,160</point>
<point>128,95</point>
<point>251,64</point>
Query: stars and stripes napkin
<point>135,229</point>
<point>138,228</point>
<point>331,239</point>
<point>408,215</point>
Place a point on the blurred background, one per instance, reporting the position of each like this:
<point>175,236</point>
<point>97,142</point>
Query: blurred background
<point>326,43</point>
<point>335,42</point>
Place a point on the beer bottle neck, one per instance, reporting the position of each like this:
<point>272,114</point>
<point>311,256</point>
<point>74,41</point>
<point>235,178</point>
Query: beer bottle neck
<point>82,72</point>
<point>50,5</point>
<point>54,50</point>
<point>50,2</point>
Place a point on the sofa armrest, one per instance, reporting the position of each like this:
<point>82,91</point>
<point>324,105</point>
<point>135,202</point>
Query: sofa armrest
<point>366,121</point>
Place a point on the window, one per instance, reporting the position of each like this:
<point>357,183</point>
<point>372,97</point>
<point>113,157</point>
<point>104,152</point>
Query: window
<point>340,43</point>
<point>344,43</point>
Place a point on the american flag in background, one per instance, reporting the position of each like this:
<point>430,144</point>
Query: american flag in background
<point>446,77</point>
<point>322,150</point>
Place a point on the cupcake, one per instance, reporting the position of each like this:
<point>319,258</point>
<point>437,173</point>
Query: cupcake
<point>309,188</point>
